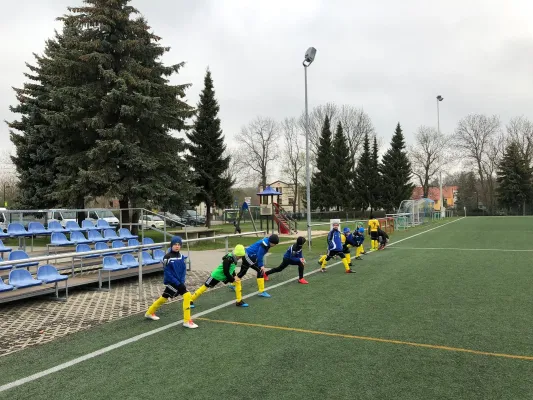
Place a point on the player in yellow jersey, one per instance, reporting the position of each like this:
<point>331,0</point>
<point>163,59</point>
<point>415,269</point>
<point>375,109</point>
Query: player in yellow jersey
<point>373,226</point>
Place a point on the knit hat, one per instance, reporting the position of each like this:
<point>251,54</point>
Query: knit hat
<point>174,240</point>
<point>273,239</point>
<point>300,241</point>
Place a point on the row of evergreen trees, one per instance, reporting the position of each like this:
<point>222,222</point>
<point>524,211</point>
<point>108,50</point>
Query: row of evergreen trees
<point>338,183</point>
<point>97,117</point>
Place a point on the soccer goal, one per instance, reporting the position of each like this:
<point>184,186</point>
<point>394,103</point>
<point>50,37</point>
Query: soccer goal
<point>414,212</point>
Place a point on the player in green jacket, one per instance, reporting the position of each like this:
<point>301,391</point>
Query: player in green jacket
<point>225,273</point>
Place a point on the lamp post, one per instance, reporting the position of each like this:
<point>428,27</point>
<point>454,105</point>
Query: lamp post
<point>439,99</point>
<point>308,59</point>
<point>5,185</point>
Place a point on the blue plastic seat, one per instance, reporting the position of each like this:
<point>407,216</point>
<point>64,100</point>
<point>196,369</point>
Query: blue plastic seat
<point>103,224</point>
<point>4,249</point>
<point>129,261</point>
<point>117,244</point>
<point>15,229</point>
<point>133,242</point>
<point>104,246</point>
<point>147,259</point>
<point>110,234</point>
<point>21,278</point>
<point>87,225</point>
<point>84,248</point>
<point>55,226</point>
<point>149,241</point>
<point>110,264</point>
<point>126,234</point>
<point>78,237</point>
<point>95,237</point>
<point>36,228</point>
<point>4,287</point>
<point>158,255</point>
<point>3,234</point>
<point>73,226</point>
<point>21,255</point>
<point>49,274</point>
<point>59,239</point>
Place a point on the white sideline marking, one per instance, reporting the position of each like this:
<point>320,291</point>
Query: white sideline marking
<point>461,249</point>
<point>57,368</point>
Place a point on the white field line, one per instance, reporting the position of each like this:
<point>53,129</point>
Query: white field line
<point>107,349</point>
<point>461,249</point>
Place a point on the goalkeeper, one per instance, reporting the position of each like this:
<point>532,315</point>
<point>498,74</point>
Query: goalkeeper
<point>225,273</point>
<point>293,256</point>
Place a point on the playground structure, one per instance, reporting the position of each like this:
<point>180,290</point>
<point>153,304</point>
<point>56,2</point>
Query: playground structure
<point>273,213</point>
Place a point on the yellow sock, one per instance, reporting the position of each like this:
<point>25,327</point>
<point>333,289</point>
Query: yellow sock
<point>199,292</point>
<point>323,261</point>
<point>260,285</point>
<point>238,290</point>
<point>345,263</point>
<point>349,258</point>
<point>358,251</point>
<point>373,244</point>
<point>186,307</point>
<point>155,305</point>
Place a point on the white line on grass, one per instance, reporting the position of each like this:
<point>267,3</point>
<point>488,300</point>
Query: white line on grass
<point>461,249</point>
<point>136,338</point>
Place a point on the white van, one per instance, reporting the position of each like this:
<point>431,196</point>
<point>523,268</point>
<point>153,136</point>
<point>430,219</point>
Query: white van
<point>63,216</point>
<point>106,215</point>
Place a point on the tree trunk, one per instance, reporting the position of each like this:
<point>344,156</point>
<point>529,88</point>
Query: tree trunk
<point>208,214</point>
<point>295,201</point>
<point>135,218</point>
<point>124,204</point>
<point>80,215</point>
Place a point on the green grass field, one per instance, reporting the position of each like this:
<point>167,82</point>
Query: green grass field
<point>444,314</point>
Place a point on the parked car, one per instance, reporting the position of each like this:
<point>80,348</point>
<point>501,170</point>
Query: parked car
<point>174,220</point>
<point>152,221</point>
<point>106,215</point>
<point>191,217</point>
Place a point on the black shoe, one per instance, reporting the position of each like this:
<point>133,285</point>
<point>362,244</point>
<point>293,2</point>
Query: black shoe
<point>349,264</point>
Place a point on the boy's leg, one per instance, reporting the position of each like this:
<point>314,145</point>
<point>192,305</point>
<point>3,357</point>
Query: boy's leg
<point>187,321</point>
<point>169,292</point>
<point>324,260</point>
<point>345,262</point>
<point>301,278</point>
<point>279,268</point>
<point>358,251</point>
<point>260,281</point>
<point>348,258</point>
<point>209,283</point>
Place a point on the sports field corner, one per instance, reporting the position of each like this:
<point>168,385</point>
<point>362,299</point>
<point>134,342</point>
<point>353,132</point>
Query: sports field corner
<point>444,312</point>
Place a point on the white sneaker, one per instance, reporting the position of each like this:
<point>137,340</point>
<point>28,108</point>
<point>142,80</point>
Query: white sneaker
<point>151,316</point>
<point>190,324</point>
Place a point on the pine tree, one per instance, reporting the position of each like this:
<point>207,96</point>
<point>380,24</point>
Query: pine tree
<point>467,195</point>
<point>341,169</point>
<point>363,177</point>
<point>396,173</point>
<point>514,178</point>
<point>376,176</point>
<point>122,114</point>
<point>323,180</point>
<point>207,153</point>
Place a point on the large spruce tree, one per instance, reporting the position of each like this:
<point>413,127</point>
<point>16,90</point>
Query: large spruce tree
<point>207,149</point>
<point>514,178</point>
<point>341,169</point>
<point>323,180</point>
<point>364,175</point>
<point>396,173</point>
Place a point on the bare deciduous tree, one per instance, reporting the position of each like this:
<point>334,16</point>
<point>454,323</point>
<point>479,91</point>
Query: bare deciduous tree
<point>8,179</point>
<point>294,156</point>
<point>474,138</point>
<point>258,141</point>
<point>520,130</point>
<point>428,155</point>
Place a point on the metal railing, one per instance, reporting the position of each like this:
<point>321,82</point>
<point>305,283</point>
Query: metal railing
<point>140,248</point>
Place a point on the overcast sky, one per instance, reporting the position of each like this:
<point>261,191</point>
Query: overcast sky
<point>390,57</point>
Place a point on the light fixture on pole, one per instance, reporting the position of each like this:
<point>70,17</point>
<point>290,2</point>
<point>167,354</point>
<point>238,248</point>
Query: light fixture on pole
<point>308,59</point>
<point>439,99</point>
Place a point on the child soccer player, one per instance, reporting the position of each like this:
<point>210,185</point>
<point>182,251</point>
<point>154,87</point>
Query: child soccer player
<point>383,239</point>
<point>293,256</point>
<point>175,270</point>
<point>334,249</point>
<point>373,226</point>
<point>225,273</point>
<point>353,241</point>
<point>359,238</point>
<point>254,258</point>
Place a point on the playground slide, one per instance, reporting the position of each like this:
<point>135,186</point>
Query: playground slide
<point>283,229</point>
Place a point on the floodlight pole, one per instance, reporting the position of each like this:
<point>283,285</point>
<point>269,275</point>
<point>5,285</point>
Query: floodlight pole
<point>307,62</point>
<point>439,99</point>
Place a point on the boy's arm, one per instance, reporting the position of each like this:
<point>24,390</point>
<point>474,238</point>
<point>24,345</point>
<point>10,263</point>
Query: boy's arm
<point>226,264</point>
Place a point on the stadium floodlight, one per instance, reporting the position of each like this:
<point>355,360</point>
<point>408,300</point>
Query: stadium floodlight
<point>308,59</point>
<point>439,99</point>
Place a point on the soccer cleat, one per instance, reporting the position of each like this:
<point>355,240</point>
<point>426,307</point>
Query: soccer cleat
<point>264,294</point>
<point>303,281</point>
<point>241,304</point>
<point>151,316</point>
<point>358,258</point>
<point>232,287</point>
<point>192,305</point>
<point>190,324</point>
<point>323,270</point>
<point>350,271</point>
<point>265,277</point>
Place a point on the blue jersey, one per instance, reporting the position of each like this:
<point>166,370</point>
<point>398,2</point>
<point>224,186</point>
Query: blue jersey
<point>255,253</point>
<point>175,269</point>
<point>358,239</point>
<point>350,239</point>
<point>334,240</point>
<point>293,254</point>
